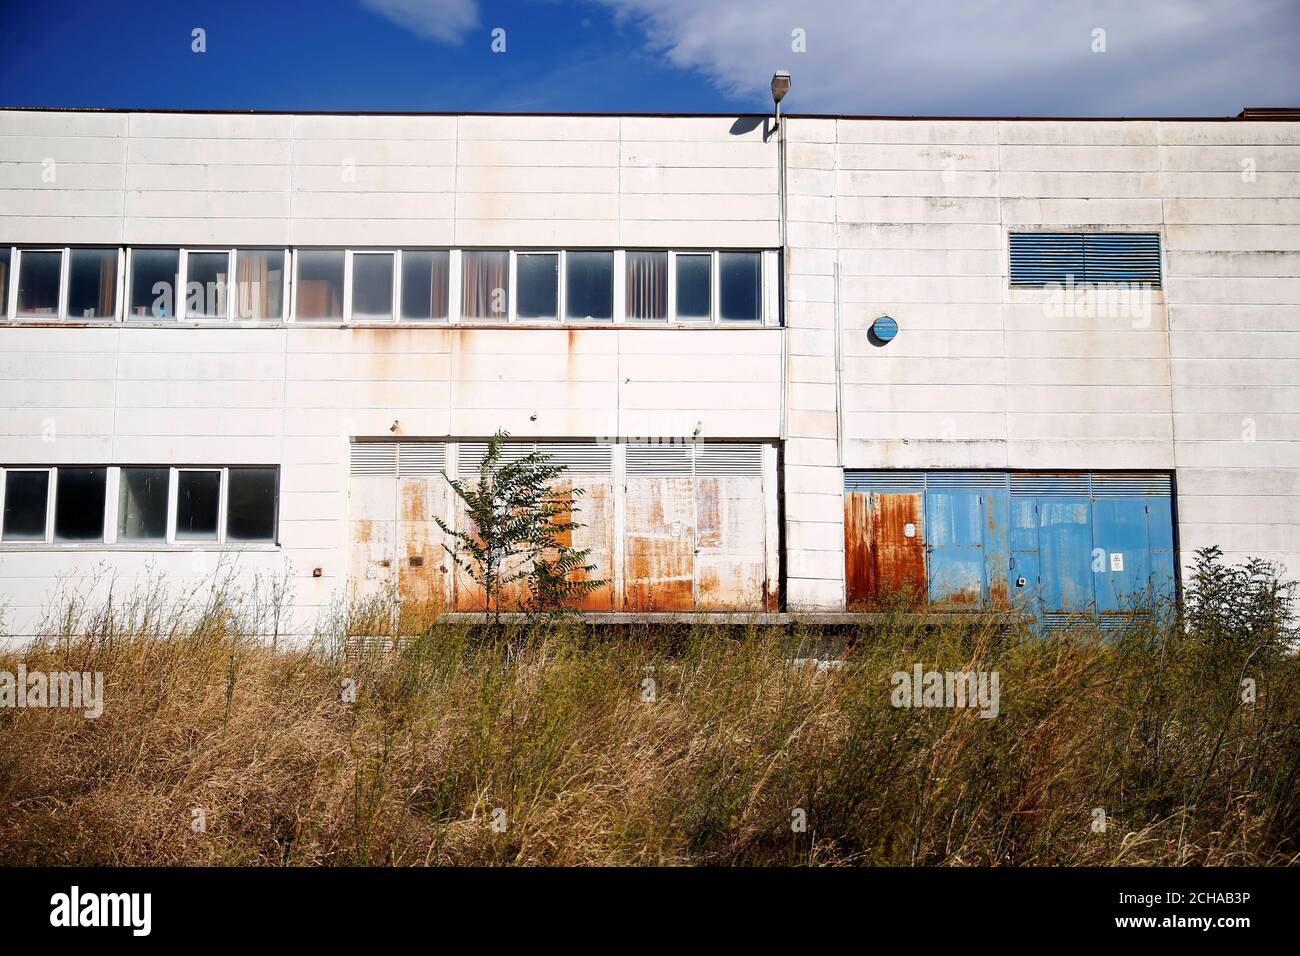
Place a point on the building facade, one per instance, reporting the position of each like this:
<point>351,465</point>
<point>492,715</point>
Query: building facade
<point>997,360</point>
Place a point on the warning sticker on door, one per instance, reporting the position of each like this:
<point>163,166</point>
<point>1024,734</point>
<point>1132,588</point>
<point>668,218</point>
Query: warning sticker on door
<point>1117,561</point>
<point>909,530</point>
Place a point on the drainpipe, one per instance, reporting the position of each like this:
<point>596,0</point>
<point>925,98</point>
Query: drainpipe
<point>781,86</point>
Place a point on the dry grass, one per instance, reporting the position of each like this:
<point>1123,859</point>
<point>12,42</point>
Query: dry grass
<point>550,725</point>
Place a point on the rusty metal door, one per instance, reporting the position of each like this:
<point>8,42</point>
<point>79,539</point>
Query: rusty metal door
<point>730,528</point>
<point>372,521</point>
<point>588,468</point>
<point>884,546</point>
<point>395,491</point>
<point>694,528</point>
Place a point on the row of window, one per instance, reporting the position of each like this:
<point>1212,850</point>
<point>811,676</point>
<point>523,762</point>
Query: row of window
<point>372,285</point>
<point>139,505</point>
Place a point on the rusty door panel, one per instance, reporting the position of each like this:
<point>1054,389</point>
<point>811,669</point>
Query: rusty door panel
<point>372,532</point>
<point>880,557</point>
<point>730,560</point>
<point>596,515</point>
<point>659,544</point>
<point>422,564</point>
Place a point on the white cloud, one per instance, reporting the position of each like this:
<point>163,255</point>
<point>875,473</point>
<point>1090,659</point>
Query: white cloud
<point>446,21</point>
<point>986,56</point>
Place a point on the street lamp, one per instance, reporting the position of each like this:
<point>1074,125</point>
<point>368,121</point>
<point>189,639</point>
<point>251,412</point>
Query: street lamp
<point>780,87</point>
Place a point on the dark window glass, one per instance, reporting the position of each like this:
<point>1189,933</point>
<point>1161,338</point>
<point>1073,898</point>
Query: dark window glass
<point>155,276</point>
<point>198,494</point>
<point>259,280</point>
<point>207,277</point>
<point>142,504</point>
<point>589,285</point>
<point>38,284</point>
<point>79,504</point>
<point>92,284</point>
<point>424,284</point>
<point>740,285</point>
<point>250,509</point>
<point>537,283</point>
<point>26,496</point>
<point>4,281</point>
<point>372,287</point>
<point>694,286</point>
<point>320,284</point>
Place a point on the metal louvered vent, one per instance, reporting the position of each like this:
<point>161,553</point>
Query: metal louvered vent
<point>421,459</point>
<point>374,459</point>
<point>1050,486</point>
<point>664,459</point>
<point>966,480</point>
<point>732,460</point>
<point>1122,257</point>
<point>885,482</point>
<point>1132,486</point>
<point>580,458</point>
<point>1039,258</point>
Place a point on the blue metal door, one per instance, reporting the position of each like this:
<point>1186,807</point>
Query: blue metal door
<point>966,517</point>
<point>1133,541</point>
<point>1059,544</point>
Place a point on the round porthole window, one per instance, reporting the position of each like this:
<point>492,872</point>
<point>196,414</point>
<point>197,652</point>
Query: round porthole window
<point>883,330</point>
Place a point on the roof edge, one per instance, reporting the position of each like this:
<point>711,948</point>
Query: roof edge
<point>1248,114</point>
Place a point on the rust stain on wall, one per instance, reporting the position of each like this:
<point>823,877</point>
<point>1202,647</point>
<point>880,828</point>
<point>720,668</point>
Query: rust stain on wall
<point>879,556</point>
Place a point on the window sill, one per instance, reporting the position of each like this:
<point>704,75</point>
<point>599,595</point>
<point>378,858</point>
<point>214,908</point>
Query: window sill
<point>161,548</point>
<point>731,324</point>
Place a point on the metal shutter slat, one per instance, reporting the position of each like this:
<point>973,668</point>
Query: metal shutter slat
<point>735,460</point>
<point>421,459</point>
<point>373,460</point>
<point>665,459</point>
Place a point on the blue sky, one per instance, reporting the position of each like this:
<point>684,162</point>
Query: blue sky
<point>967,57</point>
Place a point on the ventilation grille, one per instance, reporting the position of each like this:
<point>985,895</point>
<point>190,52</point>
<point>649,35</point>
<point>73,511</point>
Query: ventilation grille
<point>660,460</point>
<point>966,480</point>
<point>885,482</point>
<point>732,460</point>
<point>408,459</point>
<point>421,459</point>
<point>374,459</point>
<point>579,458</point>
<point>1132,486</point>
<point>1039,258</point>
<point>1054,621</point>
<point>1050,486</point>
<point>700,459</point>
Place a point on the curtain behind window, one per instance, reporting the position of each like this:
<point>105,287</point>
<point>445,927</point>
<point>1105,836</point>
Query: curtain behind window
<point>107,286</point>
<point>483,285</point>
<point>252,275</point>
<point>647,285</point>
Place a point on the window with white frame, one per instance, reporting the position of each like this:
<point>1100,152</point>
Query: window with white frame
<point>205,285</point>
<point>379,286</point>
<point>52,284</point>
<point>139,505</point>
